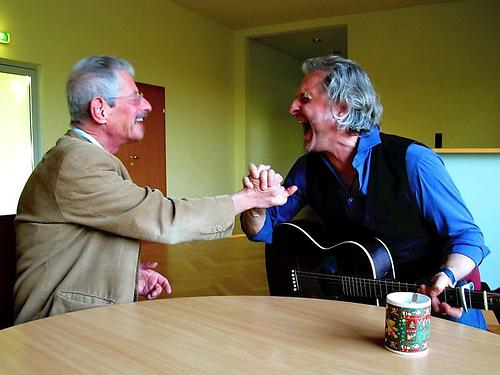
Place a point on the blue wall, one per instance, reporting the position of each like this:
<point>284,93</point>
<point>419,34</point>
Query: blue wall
<point>477,176</point>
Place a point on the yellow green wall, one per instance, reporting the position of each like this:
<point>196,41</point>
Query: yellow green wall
<point>270,134</point>
<point>436,68</point>
<point>168,45</point>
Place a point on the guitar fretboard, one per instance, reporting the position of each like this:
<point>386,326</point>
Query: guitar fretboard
<point>378,289</point>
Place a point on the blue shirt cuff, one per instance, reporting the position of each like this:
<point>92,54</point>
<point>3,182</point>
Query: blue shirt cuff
<point>266,232</point>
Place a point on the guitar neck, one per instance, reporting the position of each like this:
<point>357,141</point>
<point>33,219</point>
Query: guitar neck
<point>378,289</point>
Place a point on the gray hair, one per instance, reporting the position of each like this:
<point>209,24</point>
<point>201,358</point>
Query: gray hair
<point>93,76</point>
<point>348,83</point>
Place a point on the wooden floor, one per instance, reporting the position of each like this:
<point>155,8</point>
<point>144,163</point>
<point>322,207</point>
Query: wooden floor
<point>232,266</point>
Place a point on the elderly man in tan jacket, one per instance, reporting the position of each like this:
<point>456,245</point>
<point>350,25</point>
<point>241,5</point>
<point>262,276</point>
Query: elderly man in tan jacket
<point>80,217</point>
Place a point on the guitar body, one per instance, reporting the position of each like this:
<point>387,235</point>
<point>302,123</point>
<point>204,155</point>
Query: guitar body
<point>307,260</point>
<point>309,247</point>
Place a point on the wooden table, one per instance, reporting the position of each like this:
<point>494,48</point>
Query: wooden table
<point>236,335</point>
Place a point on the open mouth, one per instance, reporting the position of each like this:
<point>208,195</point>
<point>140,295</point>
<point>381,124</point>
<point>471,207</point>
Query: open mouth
<point>308,132</point>
<point>306,127</point>
<point>140,118</point>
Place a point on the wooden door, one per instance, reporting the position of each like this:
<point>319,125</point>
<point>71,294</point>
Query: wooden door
<point>146,160</point>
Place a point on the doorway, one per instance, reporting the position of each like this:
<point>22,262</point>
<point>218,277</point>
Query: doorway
<point>19,130</point>
<point>146,160</point>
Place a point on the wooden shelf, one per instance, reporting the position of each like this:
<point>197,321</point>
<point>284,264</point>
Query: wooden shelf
<point>470,150</point>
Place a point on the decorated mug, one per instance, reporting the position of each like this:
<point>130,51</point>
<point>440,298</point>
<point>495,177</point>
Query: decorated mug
<point>407,323</point>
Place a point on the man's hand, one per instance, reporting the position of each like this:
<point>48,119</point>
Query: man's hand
<point>263,178</point>
<point>261,189</point>
<point>460,265</point>
<point>439,282</point>
<point>151,283</point>
<point>262,181</point>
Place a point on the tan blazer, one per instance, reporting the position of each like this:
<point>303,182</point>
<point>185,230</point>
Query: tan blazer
<point>79,221</point>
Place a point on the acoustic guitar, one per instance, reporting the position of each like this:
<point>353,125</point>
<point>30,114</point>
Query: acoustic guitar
<point>299,263</point>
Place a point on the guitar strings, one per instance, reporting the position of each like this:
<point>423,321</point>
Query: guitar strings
<point>356,286</point>
<point>359,287</point>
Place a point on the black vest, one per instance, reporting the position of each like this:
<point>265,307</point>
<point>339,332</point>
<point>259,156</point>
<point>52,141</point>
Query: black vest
<point>391,212</point>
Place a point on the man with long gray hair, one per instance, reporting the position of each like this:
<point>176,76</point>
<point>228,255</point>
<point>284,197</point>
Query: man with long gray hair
<point>360,180</point>
<point>80,217</point>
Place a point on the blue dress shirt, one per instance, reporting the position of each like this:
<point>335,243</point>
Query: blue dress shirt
<point>436,195</point>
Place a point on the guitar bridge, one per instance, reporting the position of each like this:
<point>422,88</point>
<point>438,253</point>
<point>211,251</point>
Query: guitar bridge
<point>295,281</point>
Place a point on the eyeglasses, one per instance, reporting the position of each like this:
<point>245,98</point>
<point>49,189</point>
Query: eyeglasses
<point>137,97</point>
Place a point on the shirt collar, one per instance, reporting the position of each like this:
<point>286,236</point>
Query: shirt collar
<point>365,144</point>
<point>87,136</point>
<point>369,140</point>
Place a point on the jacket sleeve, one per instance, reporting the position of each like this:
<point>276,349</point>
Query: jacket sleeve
<point>96,191</point>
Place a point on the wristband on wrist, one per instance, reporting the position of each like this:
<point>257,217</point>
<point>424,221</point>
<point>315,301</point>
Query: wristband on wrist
<point>450,275</point>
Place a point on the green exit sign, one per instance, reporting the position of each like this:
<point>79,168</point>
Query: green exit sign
<point>4,37</point>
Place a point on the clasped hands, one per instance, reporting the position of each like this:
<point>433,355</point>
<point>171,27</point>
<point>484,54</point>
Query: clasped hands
<point>265,181</point>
